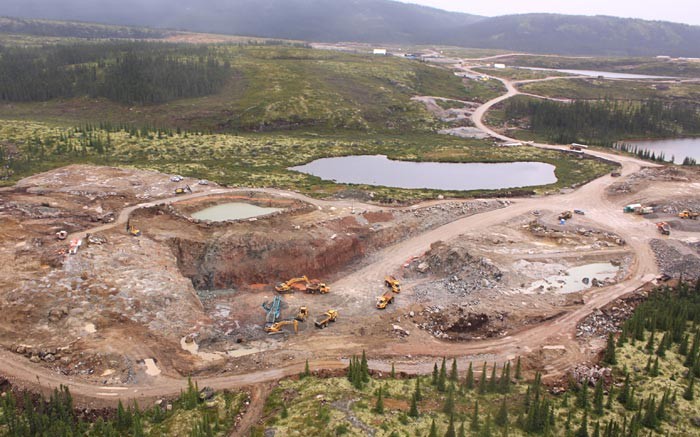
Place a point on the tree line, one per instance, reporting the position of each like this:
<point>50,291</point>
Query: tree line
<point>125,72</point>
<point>605,122</point>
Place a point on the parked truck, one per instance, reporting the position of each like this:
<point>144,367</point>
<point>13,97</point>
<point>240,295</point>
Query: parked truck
<point>385,299</point>
<point>688,214</point>
<point>324,319</point>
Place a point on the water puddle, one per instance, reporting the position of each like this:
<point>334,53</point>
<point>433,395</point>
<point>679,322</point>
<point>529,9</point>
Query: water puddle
<point>233,211</point>
<point>576,278</point>
<point>382,171</point>
<point>193,348</point>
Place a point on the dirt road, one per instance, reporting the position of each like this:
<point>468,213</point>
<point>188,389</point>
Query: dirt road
<point>559,332</point>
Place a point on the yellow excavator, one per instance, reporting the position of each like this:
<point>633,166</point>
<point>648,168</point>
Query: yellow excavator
<point>184,190</point>
<point>131,229</point>
<point>287,286</point>
<point>276,327</point>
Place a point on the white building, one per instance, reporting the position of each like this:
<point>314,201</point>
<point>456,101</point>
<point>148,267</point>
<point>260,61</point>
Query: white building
<point>379,52</point>
<point>499,66</point>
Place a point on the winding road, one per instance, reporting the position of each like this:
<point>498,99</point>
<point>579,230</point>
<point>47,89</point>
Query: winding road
<point>560,331</point>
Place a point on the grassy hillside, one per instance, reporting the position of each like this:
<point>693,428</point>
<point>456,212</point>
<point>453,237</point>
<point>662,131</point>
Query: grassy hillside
<point>278,87</point>
<point>594,89</point>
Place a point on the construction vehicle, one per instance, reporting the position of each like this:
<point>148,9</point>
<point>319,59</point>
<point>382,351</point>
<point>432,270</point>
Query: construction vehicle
<point>315,286</point>
<point>276,327</point>
<point>631,207</point>
<point>616,174</point>
<point>184,190</point>
<point>133,231</point>
<point>61,235</point>
<point>566,215</point>
<point>385,299</point>
<point>688,214</point>
<point>324,319</point>
<point>579,212</point>
<point>644,210</point>
<point>664,228</point>
<point>303,314</point>
<point>75,245</point>
<point>392,283</point>
<point>273,309</point>
<point>283,287</point>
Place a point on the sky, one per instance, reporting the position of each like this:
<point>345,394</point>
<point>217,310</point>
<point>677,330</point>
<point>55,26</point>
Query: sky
<point>680,11</point>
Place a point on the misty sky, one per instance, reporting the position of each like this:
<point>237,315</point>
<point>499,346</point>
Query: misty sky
<point>681,11</point>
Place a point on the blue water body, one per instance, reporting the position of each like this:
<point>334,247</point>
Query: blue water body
<point>381,171</point>
<point>680,148</point>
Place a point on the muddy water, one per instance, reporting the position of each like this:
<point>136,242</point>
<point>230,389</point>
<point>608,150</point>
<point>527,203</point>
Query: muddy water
<point>233,211</point>
<point>678,148</point>
<point>573,279</point>
<point>379,170</point>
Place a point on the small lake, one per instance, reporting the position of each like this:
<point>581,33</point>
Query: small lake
<point>232,211</point>
<point>605,74</point>
<point>577,278</point>
<point>380,170</point>
<point>680,148</point>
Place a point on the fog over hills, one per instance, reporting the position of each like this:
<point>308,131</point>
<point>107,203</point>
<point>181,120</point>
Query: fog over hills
<point>380,21</point>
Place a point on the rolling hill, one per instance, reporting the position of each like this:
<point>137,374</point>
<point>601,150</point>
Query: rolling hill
<point>380,21</point>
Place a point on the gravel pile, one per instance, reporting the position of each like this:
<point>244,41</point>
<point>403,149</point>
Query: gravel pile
<point>674,263</point>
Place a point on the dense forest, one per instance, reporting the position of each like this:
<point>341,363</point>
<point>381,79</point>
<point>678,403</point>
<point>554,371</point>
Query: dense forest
<point>126,72</point>
<point>605,122</point>
<point>74,29</point>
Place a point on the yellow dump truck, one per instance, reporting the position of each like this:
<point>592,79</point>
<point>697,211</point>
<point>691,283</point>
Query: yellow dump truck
<point>392,283</point>
<point>385,299</point>
<point>324,319</point>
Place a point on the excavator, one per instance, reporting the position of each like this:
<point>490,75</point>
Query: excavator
<point>392,283</point>
<point>385,299</point>
<point>276,327</point>
<point>283,287</point>
<point>303,314</point>
<point>132,230</point>
<point>324,319</point>
<point>184,190</point>
<point>566,215</point>
<point>688,214</point>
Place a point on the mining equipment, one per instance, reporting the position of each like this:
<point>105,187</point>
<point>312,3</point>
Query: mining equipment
<point>303,314</point>
<point>276,327</point>
<point>688,214</point>
<point>393,283</point>
<point>385,299</point>
<point>324,319</point>
<point>663,228</point>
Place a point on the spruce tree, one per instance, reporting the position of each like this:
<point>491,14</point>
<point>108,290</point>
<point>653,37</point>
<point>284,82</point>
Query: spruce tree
<point>442,377</point>
<point>474,425</point>
<point>518,370</point>
<point>454,375</point>
<point>413,411</point>
<point>364,367</point>
<point>434,381</point>
<point>307,371</point>
<point>624,395</point>
<point>655,368</point>
<point>449,407</point>
<point>482,381</point>
<point>598,397</point>
<point>470,378</point>
<point>393,372</point>
<point>611,396</point>
<point>610,355</point>
<point>493,382</point>
<point>417,393</point>
<point>451,427</point>
<point>583,429</point>
<point>582,397</point>
<point>461,432</point>
<point>502,415</point>
<point>379,405</point>
<point>433,429</point>
<point>689,393</point>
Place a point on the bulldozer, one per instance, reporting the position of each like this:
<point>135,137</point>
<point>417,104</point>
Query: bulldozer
<point>664,228</point>
<point>303,314</point>
<point>688,214</point>
<point>276,327</point>
<point>324,319</point>
<point>566,215</point>
<point>392,283</point>
<point>283,287</point>
<point>385,299</point>
<point>184,190</point>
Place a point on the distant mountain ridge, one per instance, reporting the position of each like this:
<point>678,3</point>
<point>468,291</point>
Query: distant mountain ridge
<point>380,21</point>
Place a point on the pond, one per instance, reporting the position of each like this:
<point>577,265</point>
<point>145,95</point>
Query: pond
<point>232,211</point>
<point>605,74</point>
<point>678,148</point>
<point>577,278</point>
<point>382,171</point>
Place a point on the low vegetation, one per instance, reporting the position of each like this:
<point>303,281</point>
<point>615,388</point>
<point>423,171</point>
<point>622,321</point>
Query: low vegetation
<point>193,414</point>
<point>258,159</point>
<point>484,90</point>
<point>518,74</point>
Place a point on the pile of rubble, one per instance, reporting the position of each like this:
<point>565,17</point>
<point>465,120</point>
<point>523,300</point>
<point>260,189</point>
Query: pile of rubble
<point>459,323</point>
<point>674,263</point>
<point>462,273</point>
<point>602,238</point>
<point>583,374</point>
<point>609,318</point>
